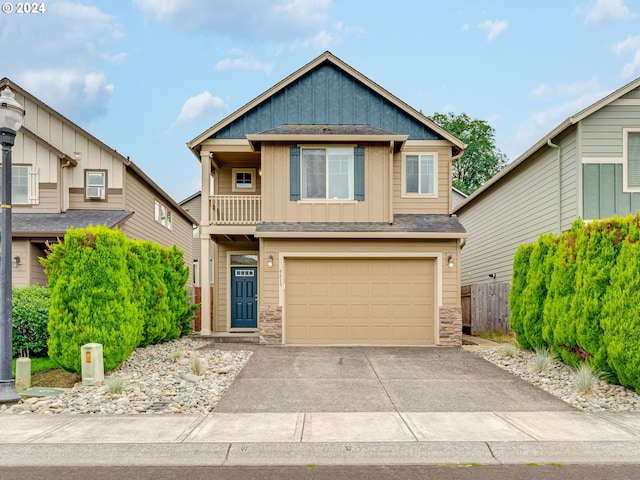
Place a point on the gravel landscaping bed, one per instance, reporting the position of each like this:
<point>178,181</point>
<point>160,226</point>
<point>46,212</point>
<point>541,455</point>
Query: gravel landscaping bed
<point>558,380</point>
<point>155,379</point>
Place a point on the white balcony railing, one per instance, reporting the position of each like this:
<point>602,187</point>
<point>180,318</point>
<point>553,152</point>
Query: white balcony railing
<point>235,209</point>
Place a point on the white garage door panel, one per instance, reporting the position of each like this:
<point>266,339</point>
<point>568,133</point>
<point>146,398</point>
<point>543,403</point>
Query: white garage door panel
<point>360,301</point>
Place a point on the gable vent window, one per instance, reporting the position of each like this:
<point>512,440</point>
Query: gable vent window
<point>96,185</point>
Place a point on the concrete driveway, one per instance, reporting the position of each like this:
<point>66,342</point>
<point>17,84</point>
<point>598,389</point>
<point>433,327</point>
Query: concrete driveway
<point>377,379</point>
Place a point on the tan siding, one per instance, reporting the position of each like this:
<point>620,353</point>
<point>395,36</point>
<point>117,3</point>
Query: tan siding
<point>37,275</point>
<point>142,224</point>
<point>408,205</point>
<point>270,286</point>
<point>221,280</point>
<point>49,201</point>
<point>114,201</point>
<point>20,275</point>
<point>276,206</point>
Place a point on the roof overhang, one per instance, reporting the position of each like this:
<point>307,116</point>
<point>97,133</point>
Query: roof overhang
<point>257,139</point>
<point>364,235</point>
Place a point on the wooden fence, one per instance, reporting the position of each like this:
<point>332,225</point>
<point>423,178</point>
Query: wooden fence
<point>485,307</point>
<point>197,326</point>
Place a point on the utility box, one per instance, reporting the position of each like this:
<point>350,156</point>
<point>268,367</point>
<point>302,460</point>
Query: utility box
<point>23,374</point>
<point>92,364</point>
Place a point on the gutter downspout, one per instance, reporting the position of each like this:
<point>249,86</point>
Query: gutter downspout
<point>391,148</point>
<point>553,145</point>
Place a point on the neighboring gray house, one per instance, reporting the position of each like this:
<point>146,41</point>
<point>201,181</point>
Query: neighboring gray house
<point>588,167</point>
<point>193,206</point>
<point>457,197</point>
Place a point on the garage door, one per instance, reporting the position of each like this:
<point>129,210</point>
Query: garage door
<point>360,301</point>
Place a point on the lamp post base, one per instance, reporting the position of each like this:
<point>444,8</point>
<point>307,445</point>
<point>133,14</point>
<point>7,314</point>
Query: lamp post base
<point>8,392</point>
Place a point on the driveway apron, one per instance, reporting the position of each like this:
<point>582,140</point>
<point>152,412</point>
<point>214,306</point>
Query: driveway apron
<point>377,379</point>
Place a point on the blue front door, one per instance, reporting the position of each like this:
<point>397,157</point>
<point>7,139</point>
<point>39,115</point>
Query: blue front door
<point>244,297</point>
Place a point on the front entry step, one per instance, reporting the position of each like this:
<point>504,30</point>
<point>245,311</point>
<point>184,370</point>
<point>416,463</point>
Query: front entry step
<point>232,337</point>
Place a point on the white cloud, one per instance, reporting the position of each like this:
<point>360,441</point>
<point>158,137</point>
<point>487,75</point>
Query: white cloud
<point>77,95</point>
<point>245,63</point>
<point>494,29</point>
<point>605,11</point>
<point>541,91</point>
<point>63,63</point>
<point>198,106</point>
<point>629,45</point>
<point>542,122</point>
<point>632,69</point>
<point>256,20</point>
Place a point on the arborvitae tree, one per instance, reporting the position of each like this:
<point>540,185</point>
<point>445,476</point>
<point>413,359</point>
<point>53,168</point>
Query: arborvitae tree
<point>91,298</point>
<point>518,286</point>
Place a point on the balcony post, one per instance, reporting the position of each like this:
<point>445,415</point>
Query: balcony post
<point>205,221</point>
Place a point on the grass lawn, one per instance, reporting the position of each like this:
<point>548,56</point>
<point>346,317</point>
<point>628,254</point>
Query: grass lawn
<point>37,365</point>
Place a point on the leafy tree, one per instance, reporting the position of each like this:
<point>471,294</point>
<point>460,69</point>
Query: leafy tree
<point>481,159</point>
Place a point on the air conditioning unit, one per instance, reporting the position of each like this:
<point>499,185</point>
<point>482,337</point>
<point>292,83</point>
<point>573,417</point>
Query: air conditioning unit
<point>95,193</point>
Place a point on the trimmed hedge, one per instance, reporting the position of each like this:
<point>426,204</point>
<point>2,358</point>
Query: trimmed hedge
<point>114,291</point>
<point>30,316</point>
<point>587,279</point>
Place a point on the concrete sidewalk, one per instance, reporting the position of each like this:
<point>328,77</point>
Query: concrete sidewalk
<point>332,438</point>
<point>341,406</point>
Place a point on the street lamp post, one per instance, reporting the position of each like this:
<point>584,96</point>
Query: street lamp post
<point>11,113</point>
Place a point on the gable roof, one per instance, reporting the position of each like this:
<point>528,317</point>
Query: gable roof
<point>5,82</point>
<point>324,60</point>
<point>546,139</point>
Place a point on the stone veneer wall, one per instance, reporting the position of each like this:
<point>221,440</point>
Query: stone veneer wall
<point>451,326</point>
<point>270,325</point>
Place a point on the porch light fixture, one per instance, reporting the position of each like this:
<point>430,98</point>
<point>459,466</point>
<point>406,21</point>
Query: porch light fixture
<point>451,262</point>
<point>16,261</point>
<point>270,261</point>
<point>11,113</point>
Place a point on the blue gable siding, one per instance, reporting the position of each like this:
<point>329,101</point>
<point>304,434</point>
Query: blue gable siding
<point>327,96</point>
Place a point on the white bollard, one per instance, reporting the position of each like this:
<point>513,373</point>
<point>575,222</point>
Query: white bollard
<point>23,374</point>
<point>92,364</point>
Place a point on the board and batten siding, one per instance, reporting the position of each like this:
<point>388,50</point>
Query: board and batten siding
<point>142,224</point>
<point>270,280</point>
<point>277,206</point>
<point>602,139</point>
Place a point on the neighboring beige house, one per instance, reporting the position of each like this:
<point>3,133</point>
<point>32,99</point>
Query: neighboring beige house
<point>64,177</point>
<point>331,219</point>
<point>587,167</point>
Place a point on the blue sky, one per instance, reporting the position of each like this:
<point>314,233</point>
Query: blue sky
<point>146,76</point>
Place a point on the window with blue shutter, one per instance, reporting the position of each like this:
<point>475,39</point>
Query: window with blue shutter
<point>336,173</point>
<point>294,173</point>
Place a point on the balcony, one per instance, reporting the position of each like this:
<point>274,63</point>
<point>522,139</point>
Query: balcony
<point>235,209</point>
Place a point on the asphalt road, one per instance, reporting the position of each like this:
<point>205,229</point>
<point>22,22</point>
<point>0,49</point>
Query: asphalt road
<point>503,472</point>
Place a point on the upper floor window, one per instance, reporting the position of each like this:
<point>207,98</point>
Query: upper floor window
<point>163,215</point>
<point>419,174</point>
<point>631,167</point>
<point>96,184</point>
<point>24,185</point>
<point>244,180</point>
<point>327,173</point>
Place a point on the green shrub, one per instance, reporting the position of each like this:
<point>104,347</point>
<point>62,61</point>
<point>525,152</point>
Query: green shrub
<point>91,297</point>
<point>518,285</point>
<point>559,328</point>
<point>150,295</point>
<point>621,317</point>
<point>176,277</point>
<point>596,253</point>
<point>535,293</point>
<point>30,316</point>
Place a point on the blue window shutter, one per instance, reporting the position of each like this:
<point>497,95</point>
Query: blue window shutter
<point>358,167</point>
<point>294,173</point>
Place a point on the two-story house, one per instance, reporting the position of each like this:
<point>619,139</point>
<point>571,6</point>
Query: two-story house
<point>64,177</point>
<point>586,167</point>
<point>328,207</point>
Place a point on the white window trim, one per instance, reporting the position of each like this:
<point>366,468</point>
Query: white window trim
<point>404,175</point>
<point>33,185</point>
<point>326,147</point>
<point>625,160</point>
<point>162,214</point>
<point>235,171</point>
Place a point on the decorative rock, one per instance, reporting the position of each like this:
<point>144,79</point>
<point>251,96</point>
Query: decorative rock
<point>149,376</point>
<point>558,381</point>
